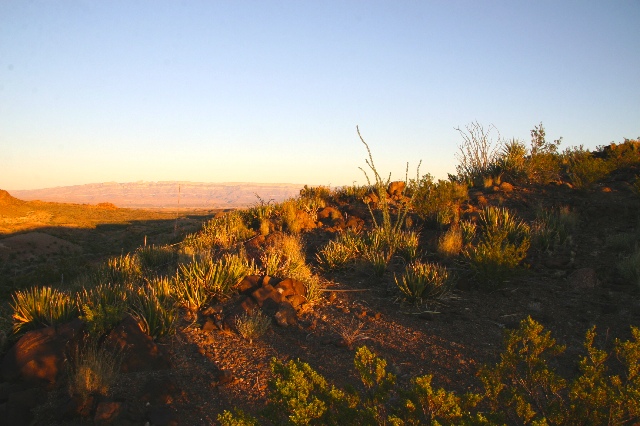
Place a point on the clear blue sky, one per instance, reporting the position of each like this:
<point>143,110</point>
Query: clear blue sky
<point>272,91</point>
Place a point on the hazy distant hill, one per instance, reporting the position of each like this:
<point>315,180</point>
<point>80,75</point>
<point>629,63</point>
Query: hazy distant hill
<point>164,194</point>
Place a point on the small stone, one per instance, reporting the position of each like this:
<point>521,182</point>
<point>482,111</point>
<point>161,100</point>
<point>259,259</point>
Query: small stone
<point>209,325</point>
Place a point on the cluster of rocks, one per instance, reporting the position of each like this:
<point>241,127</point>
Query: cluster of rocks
<point>280,299</point>
<point>38,362</point>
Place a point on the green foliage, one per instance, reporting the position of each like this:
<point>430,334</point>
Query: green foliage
<point>512,160</point>
<point>583,168</point>
<point>339,253</point>
<point>155,259</point>
<point>237,418</point>
<point>450,243</point>
<point>439,201</point>
<point>622,155</point>
<point>41,307</point>
<point>301,396</point>
<point>219,234</point>
<point>155,308</point>
<point>544,163</point>
<point>503,245</point>
<point>424,281</point>
<point>123,269</point>
<point>553,228</point>
<point>104,306</point>
<point>204,277</point>
<point>252,326</point>
<point>521,386</point>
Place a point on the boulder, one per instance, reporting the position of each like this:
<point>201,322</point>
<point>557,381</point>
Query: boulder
<point>41,354</point>
<point>286,315</point>
<point>140,351</point>
<point>396,189</point>
<point>329,216</point>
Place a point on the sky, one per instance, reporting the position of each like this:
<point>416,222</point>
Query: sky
<point>272,91</point>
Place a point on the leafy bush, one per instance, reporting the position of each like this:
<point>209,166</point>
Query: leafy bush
<point>104,306</point>
<point>544,163</point>
<point>522,388</point>
<point>424,281</point>
<point>439,201</point>
<point>503,244</point>
<point>583,169</point>
<point>512,160</point>
<point>252,325</point>
<point>41,307</point>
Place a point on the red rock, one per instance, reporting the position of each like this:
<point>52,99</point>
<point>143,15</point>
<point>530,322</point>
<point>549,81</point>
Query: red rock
<point>248,283</point>
<point>40,354</point>
<point>140,351</point>
<point>286,315</point>
<point>297,300</point>
<point>108,412</point>
<point>265,293</point>
<point>396,189</point>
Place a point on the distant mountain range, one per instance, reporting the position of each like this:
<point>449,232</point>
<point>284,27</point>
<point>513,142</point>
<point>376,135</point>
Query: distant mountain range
<point>164,194</point>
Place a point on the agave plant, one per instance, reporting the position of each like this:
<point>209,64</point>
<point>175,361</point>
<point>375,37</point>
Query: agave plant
<point>41,307</point>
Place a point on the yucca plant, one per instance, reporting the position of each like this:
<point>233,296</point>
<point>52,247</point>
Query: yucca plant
<point>424,281</point>
<point>155,311</point>
<point>41,307</point>
<point>553,228</point>
<point>503,244</point>
<point>121,269</point>
<point>156,258</point>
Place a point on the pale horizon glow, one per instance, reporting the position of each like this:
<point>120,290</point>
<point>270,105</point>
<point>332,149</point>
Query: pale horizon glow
<point>272,91</point>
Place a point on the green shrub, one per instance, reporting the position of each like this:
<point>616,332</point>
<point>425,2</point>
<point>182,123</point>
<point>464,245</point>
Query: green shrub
<point>219,234</point>
<point>123,269</point>
<point>553,228</point>
<point>41,307</point>
<point>424,281</point>
<point>104,306</point>
<point>544,163</point>
<point>439,202</point>
<point>503,245</point>
<point>338,253</point>
<point>583,169</point>
<point>157,259</point>
<point>512,161</point>
<point>253,325</point>
<point>155,310</point>
<point>468,231</point>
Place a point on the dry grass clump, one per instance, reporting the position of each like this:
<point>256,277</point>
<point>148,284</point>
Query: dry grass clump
<point>253,325</point>
<point>93,370</point>
<point>450,243</point>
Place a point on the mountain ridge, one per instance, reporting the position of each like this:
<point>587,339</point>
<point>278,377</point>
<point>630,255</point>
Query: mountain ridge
<point>165,194</point>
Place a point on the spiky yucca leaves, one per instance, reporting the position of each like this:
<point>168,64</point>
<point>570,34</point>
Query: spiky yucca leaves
<point>218,234</point>
<point>424,281</point>
<point>503,244</point>
<point>553,228</point>
<point>121,269</point>
<point>93,370</point>
<point>41,307</point>
<point>253,325</point>
<point>157,259</point>
<point>203,278</point>
<point>339,253</point>
<point>154,307</point>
